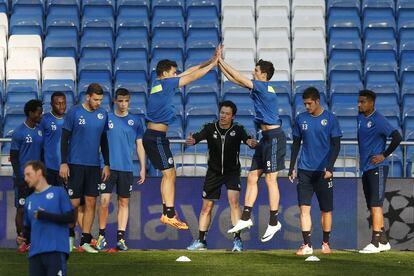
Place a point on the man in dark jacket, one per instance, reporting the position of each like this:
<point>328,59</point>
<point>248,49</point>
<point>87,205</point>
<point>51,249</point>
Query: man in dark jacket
<point>224,138</point>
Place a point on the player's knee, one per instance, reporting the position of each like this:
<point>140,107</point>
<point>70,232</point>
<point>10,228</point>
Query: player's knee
<point>234,203</point>
<point>90,201</point>
<point>270,179</point>
<point>123,202</point>
<point>206,209</point>
<point>169,173</point>
<point>104,201</point>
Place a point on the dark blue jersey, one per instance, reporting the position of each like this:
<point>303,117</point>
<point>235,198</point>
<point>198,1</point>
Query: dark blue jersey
<point>160,107</point>
<point>29,142</point>
<point>316,133</point>
<point>47,236</point>
<point>52,133</point>
<point>265,103</point>
<point>122,134</point>
<point>87,128</point>
<point>372,137</point>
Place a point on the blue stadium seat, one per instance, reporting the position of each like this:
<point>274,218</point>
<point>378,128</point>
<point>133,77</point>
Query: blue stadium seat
<point>209,83</point>
<point>407,83</point>
<point>171,54</point>
<point>51,85</point>
<point>202,17</point>
<point>395,122</point>
<point>201,104</point>
<point>356,4</point>
<point>229,87</point>
<point>343,18</point>
<point>299,106</point>
<point>137,103</point>
<point>131,73</point>
<point>287,127</point>
<point>15,102</point>
<point>382,82</point>
<point>167,17</point>
<point>282,87</point>
<point>383,4</point>
<point>380,39</point>
<point>168,38</point>
<point>11,121</point>
<point>408,106</point>
<point>168,3</point>
<point>27,19</point>
<point>196,56</point>
<point>95,3</point>
<point>408,127</point>
<point>212,3</point>
<point>378,18</point>
<point>87,77</point>
<point>136,62</point>
<point>381,61</point>
<point>248,122</point>
<point>344,39</point>
<point>132,38</point>
<point>348,60</point>
<point>194,122</point>
<point>63,16</point>
<point>61,42</point>
<point>300,86</point>
<point>98,17</point>
<point>132,16</point>
<point>243,102</point>
<point>405,18</point>
<point>4,6</point>
<point>348,126</point>
<point>202,38</point>
<point>101,38</point>
<point>95,59</point>
<point>132,3</point>
<point>175,129</point>
<point>22,86</point>
<point>406,62</point>
<point>406,40</point>
<point>285,108</point>
<point>178,103</point>
<point>50,3</point>
<point>344,104</point>
<point>388,105</point>
<point>345,82</point>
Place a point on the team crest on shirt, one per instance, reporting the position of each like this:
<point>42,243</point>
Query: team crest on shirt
<point>110,124</point>
<point>22,201</point>
<point>170,161</point>
<point>369,124</point>
<point>233,133</point>
<point>49,195</point>
<point>39,132</point>
<point>100,116</point>
<point>324,122</point>
<point>131,122</point>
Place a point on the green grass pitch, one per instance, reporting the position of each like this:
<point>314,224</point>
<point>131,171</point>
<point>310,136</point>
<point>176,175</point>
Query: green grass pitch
<point>215,262</point>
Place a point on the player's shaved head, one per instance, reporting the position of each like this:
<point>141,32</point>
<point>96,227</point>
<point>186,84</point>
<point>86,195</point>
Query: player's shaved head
<point>370,95</point>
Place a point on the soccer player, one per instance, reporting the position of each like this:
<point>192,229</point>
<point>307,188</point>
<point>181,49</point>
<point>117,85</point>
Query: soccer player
<point>270,152</point>
<point>373,131</point>
<point>124,136</point>
<point>161,113</point>
<point>83,135</point>
<point>321,135</point>
<point>27,143</point>
<point>48,212</point>
<point>224,138</point>
<point>51,125</point>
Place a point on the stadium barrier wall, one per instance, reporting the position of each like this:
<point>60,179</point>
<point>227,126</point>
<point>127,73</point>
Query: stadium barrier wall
<point>350,217</point>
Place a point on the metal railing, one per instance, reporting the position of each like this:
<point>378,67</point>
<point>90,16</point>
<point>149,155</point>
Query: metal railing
<point>189,162</point>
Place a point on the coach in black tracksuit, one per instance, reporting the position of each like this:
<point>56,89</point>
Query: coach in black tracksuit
<point>224,138</point>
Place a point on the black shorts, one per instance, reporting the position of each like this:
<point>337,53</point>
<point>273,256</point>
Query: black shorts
<point>214,181</point>
<point>269,154</point>
<point>310,182</point>
<point>83,181</point>
<point>121,180</point>
<point>49,263</point>
<point>373,183</point>
<point>21,192</point>
<point>53,178</point>
<point>157,148</point>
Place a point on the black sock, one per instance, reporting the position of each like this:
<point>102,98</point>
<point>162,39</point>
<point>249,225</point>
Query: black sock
<point>237,236</point>
<point>86,238</point>
<point>273,218</point>
<point>164,209</point>
<point>326,236</point>
<point>202,236</point>
<point>246,213</point>
<point>102,232</point>
<point>120,235</point>
<point>170,212</point>
<point>383,236</point>
<point>72,232</point>
<point>376,238</point>
<point>307,238</point>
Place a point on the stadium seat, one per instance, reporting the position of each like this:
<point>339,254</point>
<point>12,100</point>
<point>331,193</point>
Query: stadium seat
<point>131,73</point>
<point>4,23</point>
<point>194,122</point>
<point>382,82</point>
<point>341,17</point>
<point>243,102</point>
<point>344,104</point>
<point>356,4</point>
<point>344,39</point>
<point>4,6</point>
<point>23,68</point>
<point>348,126</point>
<point>132,38</point>
<point>407,83</point>
<point>314,41</point>
<point>61,42</point>
<point>237,6</point>
<point>12,121</point>
<point>168,38</point>
<point>202,17</point>
<point>132,17</point>
<point>379,4</point>
<point>285,108</point>
<point>171,54</point>
<point>63,16</point>
<point>97,3</point>
<point>197,3</point>
<point>378,18</point>
<point>380,39</point>
<point>167,17</point>
<point>408,106</point>
<point>175,129</point>
<point>207,84</point>
<point>406,40</point>
<point>308,18</point>
<point>101,38</point>
<point>201,104</point>
<point>202,38</point>
<point>345,60</point>
<point>59,68</point>
<point>132,3</point>
<point>345,82</point>
<point>27,19</point>
<point>287,127</point>
<point>29,46</point>
<point>308,4</point>
<point>388,105</point>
